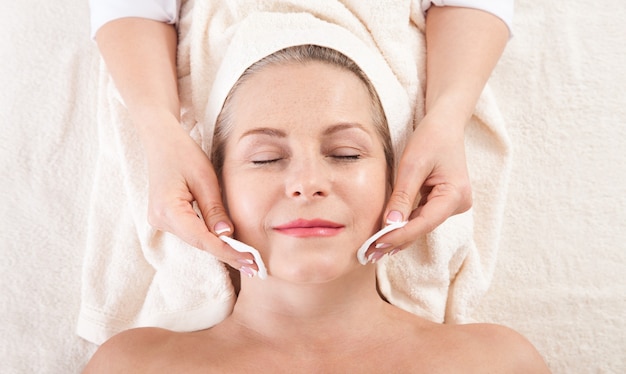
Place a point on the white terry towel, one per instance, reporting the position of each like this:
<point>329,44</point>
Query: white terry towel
<point>136,276</point>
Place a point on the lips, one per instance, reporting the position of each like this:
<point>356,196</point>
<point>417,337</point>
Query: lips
<point>303,228</point>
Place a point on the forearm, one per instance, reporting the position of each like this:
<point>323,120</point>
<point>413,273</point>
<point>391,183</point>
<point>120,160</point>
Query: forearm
<point>463,46</point>
<point>140,55</point>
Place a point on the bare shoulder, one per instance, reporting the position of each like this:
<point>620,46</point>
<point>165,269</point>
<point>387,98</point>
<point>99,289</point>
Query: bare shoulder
<point>502,348</point>
<point>463,348</point>
<point>131,351</point>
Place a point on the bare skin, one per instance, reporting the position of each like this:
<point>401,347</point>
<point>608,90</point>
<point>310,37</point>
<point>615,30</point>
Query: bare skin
<point>319,310</point>
<point>398,342</point>
<point>463,46</point>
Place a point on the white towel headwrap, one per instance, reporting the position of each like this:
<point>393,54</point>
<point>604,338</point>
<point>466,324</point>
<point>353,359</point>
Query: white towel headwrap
<point>263,33</point>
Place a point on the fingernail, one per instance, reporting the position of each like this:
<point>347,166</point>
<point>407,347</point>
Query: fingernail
<point>382,245</point>
<point>393,217</point>
<point>245,261</point>
<point>221,227</point>
<point>375,256</point>
<point>393,252</point>
<point>247,271</point>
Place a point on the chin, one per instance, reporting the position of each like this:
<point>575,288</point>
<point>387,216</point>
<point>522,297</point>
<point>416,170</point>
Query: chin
<point>314,269</point>
<point>309,277</point>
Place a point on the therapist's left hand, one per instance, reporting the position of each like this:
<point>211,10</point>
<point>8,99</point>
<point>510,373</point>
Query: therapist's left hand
<point>433,178</point>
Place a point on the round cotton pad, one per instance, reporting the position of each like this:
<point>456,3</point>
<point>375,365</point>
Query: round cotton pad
<point>360,254</point>
<point>242,247</point>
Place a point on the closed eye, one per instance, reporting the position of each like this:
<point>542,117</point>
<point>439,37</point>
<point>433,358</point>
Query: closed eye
<point>347,157</point>
<point>265,162</point>
<point>267,156</point>
<point>344,153</point>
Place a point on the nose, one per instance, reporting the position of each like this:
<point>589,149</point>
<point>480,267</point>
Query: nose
<point>308,179</point>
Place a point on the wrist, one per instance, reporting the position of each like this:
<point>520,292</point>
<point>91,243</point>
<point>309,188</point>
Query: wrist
<point>455,106</point>
<point>155,125</point>
<point>449,117</point>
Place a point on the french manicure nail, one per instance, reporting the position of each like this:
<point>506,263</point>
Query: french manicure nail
<point>247,271</point>
<point>221,227</point>
<point>382,245</point>
<point>375,256</point>
<point>393,252</point>
<point>393,217</point>
<point>245,261</point>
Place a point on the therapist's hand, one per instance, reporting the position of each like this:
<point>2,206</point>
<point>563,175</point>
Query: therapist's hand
<point>433,178</point>
<point>179,174</point>
<point>463,46</point>
<point>140,55</point>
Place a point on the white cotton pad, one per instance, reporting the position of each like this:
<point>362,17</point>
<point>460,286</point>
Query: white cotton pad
<point>241,247</point>
<point>360,254</point>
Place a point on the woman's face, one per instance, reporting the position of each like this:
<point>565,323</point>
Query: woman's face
<point>304,175</point>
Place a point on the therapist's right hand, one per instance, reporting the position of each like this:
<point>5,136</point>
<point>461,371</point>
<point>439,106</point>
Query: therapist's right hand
<point>179,174</point>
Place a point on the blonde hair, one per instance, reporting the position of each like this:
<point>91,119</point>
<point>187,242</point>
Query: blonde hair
<point>300,54</point>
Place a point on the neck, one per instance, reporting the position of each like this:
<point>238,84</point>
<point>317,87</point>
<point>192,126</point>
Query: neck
<point>287,312</point>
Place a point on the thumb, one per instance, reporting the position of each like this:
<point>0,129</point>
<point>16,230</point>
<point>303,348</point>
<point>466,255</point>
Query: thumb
<point>209,199</point>
<point>408,183</point>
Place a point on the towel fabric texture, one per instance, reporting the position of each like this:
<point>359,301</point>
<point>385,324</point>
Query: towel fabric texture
<point>136,276</point>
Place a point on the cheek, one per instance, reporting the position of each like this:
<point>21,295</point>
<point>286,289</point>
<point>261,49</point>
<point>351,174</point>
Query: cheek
<point>246,206</point>
<point>368,190</point>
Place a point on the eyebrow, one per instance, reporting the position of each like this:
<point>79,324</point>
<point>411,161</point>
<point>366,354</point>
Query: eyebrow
<point>343,126</point>
<point>276,133</point>
<point>264,131</point>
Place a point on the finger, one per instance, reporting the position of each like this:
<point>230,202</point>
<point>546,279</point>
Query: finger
<point>207,194</point>
<point>190,228</point>
<point>411,176</point>
<point>208,197</point>
<point>377,254</point>
<point>442,202</point>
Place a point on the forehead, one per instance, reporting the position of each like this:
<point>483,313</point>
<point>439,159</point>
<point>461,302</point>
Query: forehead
<point>293,94</point>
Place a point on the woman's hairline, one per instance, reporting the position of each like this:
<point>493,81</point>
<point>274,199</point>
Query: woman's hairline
<point>301,54</point>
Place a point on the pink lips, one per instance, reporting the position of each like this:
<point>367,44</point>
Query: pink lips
<point>303,228</point>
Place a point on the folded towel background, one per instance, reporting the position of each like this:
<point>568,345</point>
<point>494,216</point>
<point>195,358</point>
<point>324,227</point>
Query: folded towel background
<point>559,276</point>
